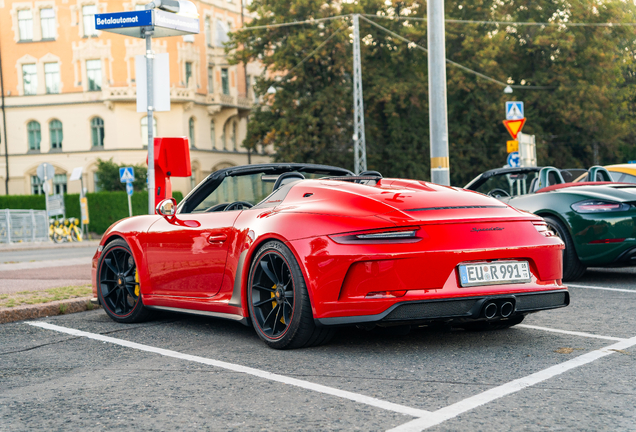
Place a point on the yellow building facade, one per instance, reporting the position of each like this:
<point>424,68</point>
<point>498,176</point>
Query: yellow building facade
<point>70,94</point>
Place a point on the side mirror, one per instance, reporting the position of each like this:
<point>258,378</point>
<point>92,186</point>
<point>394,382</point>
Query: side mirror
<point>167,208</point>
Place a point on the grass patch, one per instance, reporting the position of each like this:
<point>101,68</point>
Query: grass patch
<point>38,297</point>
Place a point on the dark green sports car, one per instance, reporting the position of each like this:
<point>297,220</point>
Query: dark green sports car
<point>596,219</point>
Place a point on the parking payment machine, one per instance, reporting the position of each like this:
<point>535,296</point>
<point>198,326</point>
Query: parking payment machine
<point>172,159</point>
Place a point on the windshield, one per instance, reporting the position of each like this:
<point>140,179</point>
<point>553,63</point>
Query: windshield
<point>512,184</point>
<point>250,188</point>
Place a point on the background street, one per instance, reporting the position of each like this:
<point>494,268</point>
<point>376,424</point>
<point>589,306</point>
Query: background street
<point>51,380</point>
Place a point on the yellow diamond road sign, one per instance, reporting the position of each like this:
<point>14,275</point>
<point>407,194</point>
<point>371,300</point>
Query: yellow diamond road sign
<point>512,146</point>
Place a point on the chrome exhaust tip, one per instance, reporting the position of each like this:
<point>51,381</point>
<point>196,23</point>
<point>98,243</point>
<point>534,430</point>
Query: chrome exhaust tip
<point>490,310</point>
<point>506,309</point>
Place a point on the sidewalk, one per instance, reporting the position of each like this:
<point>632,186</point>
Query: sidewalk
<point>42,266</point>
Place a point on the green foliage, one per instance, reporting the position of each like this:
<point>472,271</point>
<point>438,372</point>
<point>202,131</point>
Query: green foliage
<point>108,176</point>
<point>104,208</point>
<point>583,117</point>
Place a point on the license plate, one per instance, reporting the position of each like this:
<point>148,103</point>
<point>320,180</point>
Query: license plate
<point>493,273</point>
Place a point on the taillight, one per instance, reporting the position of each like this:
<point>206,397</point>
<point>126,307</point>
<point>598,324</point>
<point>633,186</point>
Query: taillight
<point>599,206</point>
<point>405,235</point>
<point>544,229</point>
<point>386,294</point>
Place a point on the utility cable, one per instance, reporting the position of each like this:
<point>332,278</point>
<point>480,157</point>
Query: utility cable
<point>479,74</point>
<point>292,23</point>
<point>519,23</point>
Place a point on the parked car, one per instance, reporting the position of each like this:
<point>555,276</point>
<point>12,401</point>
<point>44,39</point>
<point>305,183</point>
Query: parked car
<point>622,173</point>
<point>296,250</point>
<point>595,220</point>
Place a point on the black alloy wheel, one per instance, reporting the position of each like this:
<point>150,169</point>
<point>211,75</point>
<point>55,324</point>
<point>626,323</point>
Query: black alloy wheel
<point>118,287</point>
<point>279,303</point>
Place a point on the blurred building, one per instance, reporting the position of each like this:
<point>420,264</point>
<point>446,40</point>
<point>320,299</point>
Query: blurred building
<point>70,92</point>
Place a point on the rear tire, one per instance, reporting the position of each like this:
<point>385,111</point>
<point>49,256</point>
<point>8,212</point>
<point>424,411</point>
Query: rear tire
<point>279,304</point>
<point>572,266</point>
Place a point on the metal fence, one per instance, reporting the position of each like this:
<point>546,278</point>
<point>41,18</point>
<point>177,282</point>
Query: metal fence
<point>23,226</point>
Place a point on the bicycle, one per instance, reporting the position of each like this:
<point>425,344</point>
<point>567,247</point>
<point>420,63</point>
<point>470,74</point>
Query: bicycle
<point>76,233</point>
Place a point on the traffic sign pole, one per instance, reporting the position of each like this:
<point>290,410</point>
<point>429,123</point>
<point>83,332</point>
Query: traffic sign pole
<point>150,55</point>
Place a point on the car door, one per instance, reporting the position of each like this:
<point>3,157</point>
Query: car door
<point>186,257</point>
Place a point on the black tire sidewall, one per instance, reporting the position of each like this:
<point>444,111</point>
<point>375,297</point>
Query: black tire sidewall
<point>139,311</point>
<point>300,295</point>
<point>572,266</point>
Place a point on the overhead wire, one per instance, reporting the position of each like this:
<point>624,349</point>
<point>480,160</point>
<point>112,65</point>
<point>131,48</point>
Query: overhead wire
<point>292,23</point>
<point>520,23</point>
<point>479,74</point>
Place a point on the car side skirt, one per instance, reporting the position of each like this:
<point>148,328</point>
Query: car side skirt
<point>243,320</point>
<point>460,309</point>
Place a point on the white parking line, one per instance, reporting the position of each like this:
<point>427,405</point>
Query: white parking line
<point>573,333</point>
<point>473,402</point>
<point>390,406</point>
<point>601,288</point>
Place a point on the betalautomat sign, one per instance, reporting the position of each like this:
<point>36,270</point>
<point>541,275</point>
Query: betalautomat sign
<point>131,23</point>
<point>123,19</point>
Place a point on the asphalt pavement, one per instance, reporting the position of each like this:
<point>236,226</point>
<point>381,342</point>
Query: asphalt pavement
<point>568,369</point>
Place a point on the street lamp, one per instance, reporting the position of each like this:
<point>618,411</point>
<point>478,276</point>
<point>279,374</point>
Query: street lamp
<point>508,90</point>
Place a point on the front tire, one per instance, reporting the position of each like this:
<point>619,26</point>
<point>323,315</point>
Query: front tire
<point>279,304</point>
<point>118,284</point>
<point>572,266</point>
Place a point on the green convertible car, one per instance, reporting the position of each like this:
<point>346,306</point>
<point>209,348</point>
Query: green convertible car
<point>595,219</point>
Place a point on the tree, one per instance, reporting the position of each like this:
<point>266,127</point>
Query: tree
<point>583,112</point>
<point>108,176</point>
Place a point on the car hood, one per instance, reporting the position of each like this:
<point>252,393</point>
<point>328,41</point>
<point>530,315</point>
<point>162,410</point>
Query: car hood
<point>397,200</point>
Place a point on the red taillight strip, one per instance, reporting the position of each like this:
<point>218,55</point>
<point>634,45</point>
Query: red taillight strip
<point>604,241</point>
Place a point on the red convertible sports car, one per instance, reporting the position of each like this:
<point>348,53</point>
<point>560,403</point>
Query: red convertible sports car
<point>297,250</point>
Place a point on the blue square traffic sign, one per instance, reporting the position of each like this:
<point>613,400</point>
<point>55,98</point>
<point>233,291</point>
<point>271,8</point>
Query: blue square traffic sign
<point>514,110</point>
<point>126,175</point>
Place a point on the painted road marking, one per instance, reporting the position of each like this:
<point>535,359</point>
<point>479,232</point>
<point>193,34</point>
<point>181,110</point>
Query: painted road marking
<point>573,333</point>
<point>389,406</point>
<point>473,402</point>
<point>601,288</point>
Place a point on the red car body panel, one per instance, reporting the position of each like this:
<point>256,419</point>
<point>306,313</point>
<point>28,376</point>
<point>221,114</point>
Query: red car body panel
<point>201,261</point>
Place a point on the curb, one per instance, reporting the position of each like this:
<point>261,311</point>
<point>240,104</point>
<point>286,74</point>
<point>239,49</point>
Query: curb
<point>14,247</point>
<point>60,307</point>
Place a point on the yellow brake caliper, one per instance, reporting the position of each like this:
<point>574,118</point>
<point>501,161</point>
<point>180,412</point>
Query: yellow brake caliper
<point>136,283</point>
<point>274,303</point>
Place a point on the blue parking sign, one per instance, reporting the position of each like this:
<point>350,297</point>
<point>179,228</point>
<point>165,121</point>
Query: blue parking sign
<point>129,188</point>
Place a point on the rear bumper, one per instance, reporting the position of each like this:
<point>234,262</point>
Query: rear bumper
<point>457,309</point>
<point>626,259</point>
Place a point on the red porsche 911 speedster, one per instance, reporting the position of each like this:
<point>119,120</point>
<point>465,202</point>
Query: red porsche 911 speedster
<point>298,249</point>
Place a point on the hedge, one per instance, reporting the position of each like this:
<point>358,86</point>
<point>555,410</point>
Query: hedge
<point>104,208</point>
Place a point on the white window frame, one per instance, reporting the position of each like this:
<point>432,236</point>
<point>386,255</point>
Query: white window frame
<point>33,85</point>
<point>52,79</point>
<point>48,24</point>
<point>90,72</point>
<point>88,25</point>
<point>25,25</point>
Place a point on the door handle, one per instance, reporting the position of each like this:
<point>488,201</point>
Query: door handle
<point>217,238</point>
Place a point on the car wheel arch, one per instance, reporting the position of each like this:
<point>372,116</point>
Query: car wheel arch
<point>253,250</point>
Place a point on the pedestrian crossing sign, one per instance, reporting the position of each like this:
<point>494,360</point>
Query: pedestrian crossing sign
<point>126,175</point>
<point>514,110</point>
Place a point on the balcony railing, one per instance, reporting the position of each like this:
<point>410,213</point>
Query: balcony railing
<point>178,94</point>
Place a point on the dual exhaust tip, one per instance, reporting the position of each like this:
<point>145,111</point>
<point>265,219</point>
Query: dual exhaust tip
<point>502,309</point>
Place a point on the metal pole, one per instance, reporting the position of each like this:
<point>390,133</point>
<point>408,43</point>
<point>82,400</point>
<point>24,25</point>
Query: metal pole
<point>359,141</point>
<point>129,205</point>
<point>150,55</point>
<point>82,196</point>
<point>4,129</point>
<point>438,117</point>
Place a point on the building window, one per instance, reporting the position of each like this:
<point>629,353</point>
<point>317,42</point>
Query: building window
<point>36,185</point>
<point>144,128</point>
<point>210,79</point>
<point>221,33</point>
<point>97,132</point>
<point>55,130</point>
<point>52,77</point>
<point>88,17</point>
<point>59,184</point>
<point>191,129</point>
<point>225,81</point>
<point>94,74</point>
<point>140,7</point>
<point>248,85</point>
<point>25,24</point>
<point>213,134</point>
<point>34,135</point>
<point>234,132</point>
<point>188,73</point>
<point>96,182</point>
<point>208,31</point>
<point>30,79</point>
<point>193,180</point>
<point>47,22</point>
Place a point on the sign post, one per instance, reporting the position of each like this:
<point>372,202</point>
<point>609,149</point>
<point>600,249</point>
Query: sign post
<point>46,172</point>
<point>127,175</point>
<point>160,19</point>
